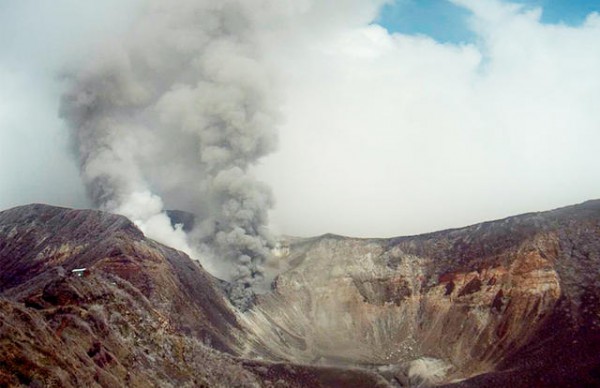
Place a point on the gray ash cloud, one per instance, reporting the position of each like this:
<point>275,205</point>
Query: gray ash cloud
<point>173,115</point>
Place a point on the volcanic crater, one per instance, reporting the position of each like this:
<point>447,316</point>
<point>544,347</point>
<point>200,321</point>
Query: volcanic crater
<point>509,302</point>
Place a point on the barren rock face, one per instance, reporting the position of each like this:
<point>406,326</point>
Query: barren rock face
<point>142,315</point>
<point>514,302</point>
<point>487,298</point>
<point>38,238</point>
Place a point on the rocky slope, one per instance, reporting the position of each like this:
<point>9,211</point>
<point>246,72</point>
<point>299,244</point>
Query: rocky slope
<point>513,302</point>
<point>143,314</point>
<point>510,302</point>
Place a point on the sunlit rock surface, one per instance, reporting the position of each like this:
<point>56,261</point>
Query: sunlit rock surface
<point>510,297</point>
<point>513,303</point>
<point>141,315</point>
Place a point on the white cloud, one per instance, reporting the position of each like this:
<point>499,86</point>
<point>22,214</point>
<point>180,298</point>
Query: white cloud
<point>35,162</point>
<point>383,134</point>
<point>37,39</point>
<point>391,134</point>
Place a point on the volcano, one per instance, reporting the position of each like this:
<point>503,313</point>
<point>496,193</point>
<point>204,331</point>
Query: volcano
<point>508,302</point>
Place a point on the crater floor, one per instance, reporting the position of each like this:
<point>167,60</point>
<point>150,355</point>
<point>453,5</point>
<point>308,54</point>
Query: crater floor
<point>492,300</point>
<point>514,302</point>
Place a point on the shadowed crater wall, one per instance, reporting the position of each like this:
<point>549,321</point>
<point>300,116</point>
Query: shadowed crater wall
<point>494,299</point>
<point>514,302</point>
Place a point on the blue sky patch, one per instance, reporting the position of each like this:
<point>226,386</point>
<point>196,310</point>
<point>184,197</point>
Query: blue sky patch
<point>569,12</point>
<point>439,19</point>
<point>447,23</point>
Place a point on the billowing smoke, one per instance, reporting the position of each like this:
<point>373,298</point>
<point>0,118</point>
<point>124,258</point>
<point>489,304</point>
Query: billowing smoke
<point>172,116</point>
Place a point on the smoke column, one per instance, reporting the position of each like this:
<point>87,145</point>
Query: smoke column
<point>172,116</point>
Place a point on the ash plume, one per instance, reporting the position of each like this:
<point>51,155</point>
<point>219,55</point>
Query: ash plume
<point>173,115</point>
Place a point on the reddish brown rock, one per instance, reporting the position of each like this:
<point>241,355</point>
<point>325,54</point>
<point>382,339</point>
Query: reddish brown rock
<point>514,302</point>
<point>496,299</point>
<point>143,314</point>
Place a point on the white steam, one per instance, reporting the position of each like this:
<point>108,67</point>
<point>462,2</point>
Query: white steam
<point>173,116</point>
<point>427,371</point>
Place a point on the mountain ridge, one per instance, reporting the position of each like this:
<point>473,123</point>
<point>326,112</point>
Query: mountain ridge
<point>485,304</point>
<point>477,298</point>
<point>142,314</point>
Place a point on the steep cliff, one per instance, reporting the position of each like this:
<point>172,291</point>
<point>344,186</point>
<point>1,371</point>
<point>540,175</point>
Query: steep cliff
<point>514,300</point>
<point>141,315</point>
<point>509,302</point>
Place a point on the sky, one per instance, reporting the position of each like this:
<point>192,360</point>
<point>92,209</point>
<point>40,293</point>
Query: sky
<point>448,22</point>
<point>395,119</point>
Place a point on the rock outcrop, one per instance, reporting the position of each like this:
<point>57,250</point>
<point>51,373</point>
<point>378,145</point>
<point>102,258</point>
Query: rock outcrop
<point>141,314</point>
<point>513,302</point>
